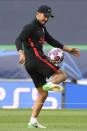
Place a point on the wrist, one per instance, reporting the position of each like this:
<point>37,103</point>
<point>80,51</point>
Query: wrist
<point>65,48</point>
<point>21,53</point>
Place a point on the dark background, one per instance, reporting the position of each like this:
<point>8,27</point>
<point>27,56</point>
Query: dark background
<point>69,25</point>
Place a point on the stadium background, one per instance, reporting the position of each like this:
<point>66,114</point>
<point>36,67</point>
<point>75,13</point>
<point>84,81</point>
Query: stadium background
<point>69,26</point>
<point>16,88</point>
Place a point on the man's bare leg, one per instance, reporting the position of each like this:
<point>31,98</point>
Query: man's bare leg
<point>37,108</point>
<point>57,78</point>
<point>39,102</point>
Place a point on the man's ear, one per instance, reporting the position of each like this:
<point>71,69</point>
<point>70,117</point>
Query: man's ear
<point>37,13</point>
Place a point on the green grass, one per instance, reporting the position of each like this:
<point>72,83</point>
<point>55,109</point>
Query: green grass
<point>54,120</point>
<point>13,47</point>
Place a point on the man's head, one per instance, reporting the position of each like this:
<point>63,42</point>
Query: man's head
<point>44,12</point>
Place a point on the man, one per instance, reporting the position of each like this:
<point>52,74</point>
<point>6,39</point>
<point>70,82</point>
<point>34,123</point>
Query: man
<point>36,63</point>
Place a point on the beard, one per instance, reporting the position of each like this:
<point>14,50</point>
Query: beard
<point>44,22</point>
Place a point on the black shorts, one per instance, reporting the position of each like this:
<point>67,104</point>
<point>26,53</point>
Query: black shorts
<point>40,69</point>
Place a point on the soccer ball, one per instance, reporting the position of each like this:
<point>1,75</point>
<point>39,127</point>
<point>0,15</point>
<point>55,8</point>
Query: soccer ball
<point>56,55</point>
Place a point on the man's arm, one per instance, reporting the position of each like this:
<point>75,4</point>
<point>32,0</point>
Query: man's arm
<point>72,51</point>
<point>49,39</point>
<point>27,30</point>
<point>55,43</point>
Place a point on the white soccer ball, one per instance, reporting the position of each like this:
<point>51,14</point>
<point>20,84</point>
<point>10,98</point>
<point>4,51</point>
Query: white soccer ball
<point>56,55</point>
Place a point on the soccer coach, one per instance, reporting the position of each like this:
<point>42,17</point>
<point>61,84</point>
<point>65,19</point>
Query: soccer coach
<point>29,44</point>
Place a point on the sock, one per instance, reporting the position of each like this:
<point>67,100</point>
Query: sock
<point>33,120</point>
<point>49,83</point>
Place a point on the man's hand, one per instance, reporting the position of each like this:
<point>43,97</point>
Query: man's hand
<point>72,51</point>
<point>22,57</point>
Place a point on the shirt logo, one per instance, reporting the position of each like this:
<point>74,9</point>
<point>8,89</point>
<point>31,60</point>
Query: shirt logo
<point>38,31</point>
<point>42,40</point>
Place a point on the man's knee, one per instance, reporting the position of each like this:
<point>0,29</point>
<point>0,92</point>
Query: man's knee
<point>64,76</point>
<point>60,71</point>
<point>44,94</point>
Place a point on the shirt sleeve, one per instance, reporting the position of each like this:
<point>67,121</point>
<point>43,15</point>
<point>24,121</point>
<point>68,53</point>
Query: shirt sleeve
<point>23,36</point>
<point>50,40</point>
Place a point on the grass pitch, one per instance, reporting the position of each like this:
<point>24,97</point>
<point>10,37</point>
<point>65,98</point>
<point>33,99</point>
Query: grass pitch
<point>54,120</point>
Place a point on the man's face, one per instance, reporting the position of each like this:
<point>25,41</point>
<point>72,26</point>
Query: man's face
<point>42,18</point>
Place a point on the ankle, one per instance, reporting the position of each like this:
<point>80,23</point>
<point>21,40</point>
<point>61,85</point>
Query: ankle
<point>33,120</point>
